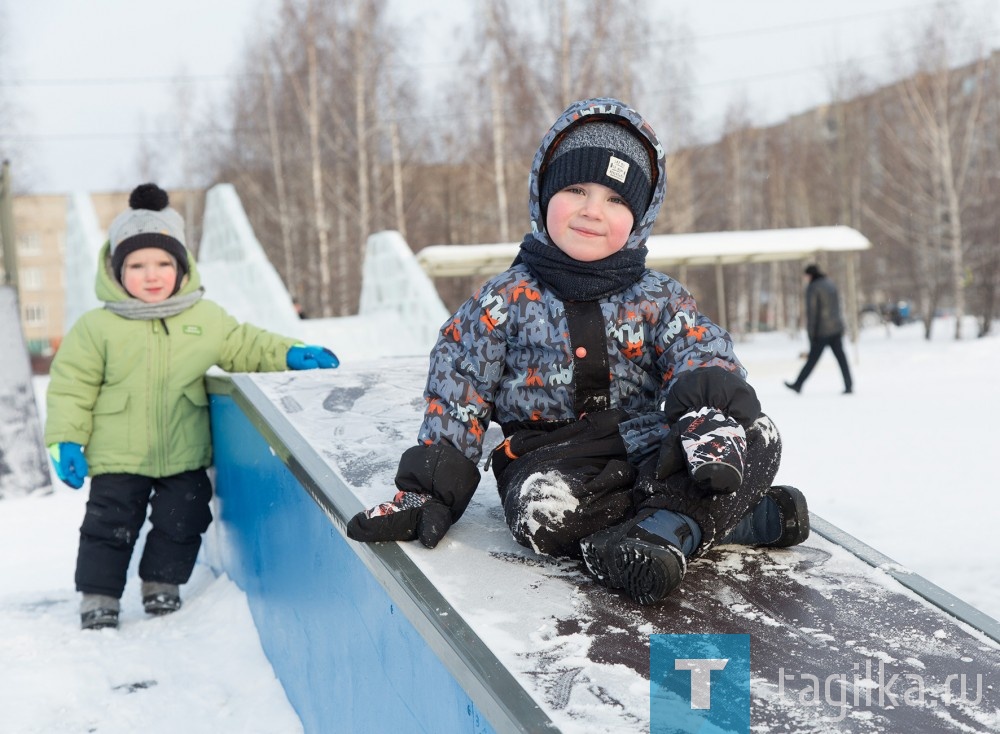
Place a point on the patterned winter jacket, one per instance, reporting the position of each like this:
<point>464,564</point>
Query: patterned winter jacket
<point>506,354</point>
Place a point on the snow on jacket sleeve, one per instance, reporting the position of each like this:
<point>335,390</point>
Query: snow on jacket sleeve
<point>76,375</point>
<point>466,366</point>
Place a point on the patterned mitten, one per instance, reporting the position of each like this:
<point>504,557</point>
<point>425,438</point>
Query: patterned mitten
<point>408,516</point>
<point>714,446</point>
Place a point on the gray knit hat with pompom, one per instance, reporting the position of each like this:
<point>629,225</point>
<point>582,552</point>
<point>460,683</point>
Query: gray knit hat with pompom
<point>148,222</point>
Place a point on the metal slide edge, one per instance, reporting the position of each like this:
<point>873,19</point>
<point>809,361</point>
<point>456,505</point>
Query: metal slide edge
<point>947,602</point>
<point>501,699</point>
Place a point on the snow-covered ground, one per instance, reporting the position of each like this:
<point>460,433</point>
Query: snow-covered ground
<point>905,464</point>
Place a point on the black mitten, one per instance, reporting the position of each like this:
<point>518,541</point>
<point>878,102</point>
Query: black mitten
<point>436,484</point>
<point>712,387</point>
<point>410,515</point>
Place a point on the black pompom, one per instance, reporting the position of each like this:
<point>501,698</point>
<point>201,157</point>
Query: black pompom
<point>149,196</point>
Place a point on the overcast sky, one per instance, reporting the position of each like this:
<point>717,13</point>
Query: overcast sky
<point>90,80</point>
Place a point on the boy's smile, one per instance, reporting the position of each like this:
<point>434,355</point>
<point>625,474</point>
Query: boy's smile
<point>149,274</point>
<point>588,221</point>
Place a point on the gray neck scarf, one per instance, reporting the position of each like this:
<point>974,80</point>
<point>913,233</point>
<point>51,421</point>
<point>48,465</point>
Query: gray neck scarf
<point>133,308</point>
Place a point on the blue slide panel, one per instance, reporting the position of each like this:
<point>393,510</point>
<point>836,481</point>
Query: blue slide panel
<point>348,658</point>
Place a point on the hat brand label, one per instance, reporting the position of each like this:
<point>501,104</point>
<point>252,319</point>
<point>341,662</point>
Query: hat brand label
<point>617,169</point>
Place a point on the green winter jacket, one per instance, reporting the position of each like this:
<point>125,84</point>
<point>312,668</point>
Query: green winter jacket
<point>132,392</point>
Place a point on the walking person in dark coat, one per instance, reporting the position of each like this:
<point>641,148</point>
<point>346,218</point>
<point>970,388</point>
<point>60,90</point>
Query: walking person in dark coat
<point>825,327</point>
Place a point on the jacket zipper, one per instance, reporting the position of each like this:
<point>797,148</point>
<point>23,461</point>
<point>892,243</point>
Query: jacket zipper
<point>156,401</point>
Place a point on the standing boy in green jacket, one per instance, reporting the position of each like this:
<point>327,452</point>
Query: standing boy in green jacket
<point>127,405</point>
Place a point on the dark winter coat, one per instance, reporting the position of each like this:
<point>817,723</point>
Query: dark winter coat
<point>506,355</point>
<point>823,317</point>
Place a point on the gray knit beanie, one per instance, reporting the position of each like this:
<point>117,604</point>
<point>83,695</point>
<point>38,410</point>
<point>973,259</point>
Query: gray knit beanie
<point>149,222</point>
<point>602,152</point>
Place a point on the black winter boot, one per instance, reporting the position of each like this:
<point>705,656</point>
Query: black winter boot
<point>779,520</point>
<point>159,598</point>
<point>645,556</point>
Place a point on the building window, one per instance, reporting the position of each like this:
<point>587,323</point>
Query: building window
<point>31,279</point>
<point>29,243</point>
<point>34,315</point>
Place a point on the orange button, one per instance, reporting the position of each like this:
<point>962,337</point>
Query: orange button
<point>581,352</point>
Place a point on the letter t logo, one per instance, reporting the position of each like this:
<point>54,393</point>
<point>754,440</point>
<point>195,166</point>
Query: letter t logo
<point>701,678</point>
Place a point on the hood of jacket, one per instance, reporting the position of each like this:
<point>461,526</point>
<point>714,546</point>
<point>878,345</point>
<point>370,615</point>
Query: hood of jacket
<point>590,109</point>
<point>109,290</point>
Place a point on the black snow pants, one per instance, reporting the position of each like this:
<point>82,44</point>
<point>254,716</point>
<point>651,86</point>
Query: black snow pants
<point>115,513</point>
<point>716,514</point>
<point>816,347</point>
<point>564,484</point>
<point>557,487</point>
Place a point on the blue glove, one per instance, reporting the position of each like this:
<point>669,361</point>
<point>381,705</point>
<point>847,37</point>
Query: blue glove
<point>302,357</point>
<point>70,463</point>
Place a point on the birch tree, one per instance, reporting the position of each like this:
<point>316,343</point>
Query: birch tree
<point>277,160</point>
<point>316,151</point>
<point>943,108</point>
<point>982,231</point>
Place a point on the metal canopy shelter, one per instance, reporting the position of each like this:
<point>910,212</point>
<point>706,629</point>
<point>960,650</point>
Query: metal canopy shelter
<point>678,251</point>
